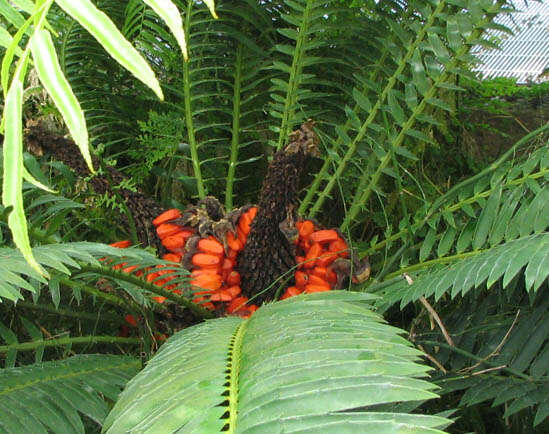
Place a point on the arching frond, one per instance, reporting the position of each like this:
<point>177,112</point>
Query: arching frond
<point>479,232</point>
<point>396,109</point>
<point>52,396</point>
<point>16,273</point>
<point>282,369</point>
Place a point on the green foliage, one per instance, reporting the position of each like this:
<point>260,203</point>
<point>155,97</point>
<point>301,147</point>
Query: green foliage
<point>41,48</point>
<point>504,87</point>
<point>282,369</point>
<point>509,364</point>
<point>490,231</point>
<point>52,396</point>
<point>381,81</point>
<point>466,228</point>
<point>160,139</point>
<point>61,257</point>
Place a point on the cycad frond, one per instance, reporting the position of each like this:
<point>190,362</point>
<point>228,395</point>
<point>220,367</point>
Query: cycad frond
<point>482,230</point>
<point>304,363</point>
<point>396,109</point>
<point>14,270</point>
<point>472,270</point>
<point>49,397</point>
<point>499,352</point>
<point>314,63</point>
<point>95,80</point>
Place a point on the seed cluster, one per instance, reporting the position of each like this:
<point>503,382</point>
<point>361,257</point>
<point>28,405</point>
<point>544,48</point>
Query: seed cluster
<point>318,252</point>
<point>212,262</point>
<point>251,255</point>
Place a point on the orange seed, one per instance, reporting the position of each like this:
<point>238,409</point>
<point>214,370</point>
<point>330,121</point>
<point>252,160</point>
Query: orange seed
<point>166,216</point>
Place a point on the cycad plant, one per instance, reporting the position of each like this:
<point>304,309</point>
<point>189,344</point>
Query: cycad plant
<point>379,79</point>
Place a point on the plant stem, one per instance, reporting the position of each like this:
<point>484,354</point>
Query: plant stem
<point>234,374</point>
<point>109,298</point>
<point>29,346</point>
<point>432,262</point>
<point>476,358</point>
<point>188,112</point>
<point>196,309</point>
<point>235,130</point>
<point>70,313</point>
<point>295,75</point>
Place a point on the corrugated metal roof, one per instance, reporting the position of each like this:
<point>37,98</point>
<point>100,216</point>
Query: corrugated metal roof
<point>524,55</point>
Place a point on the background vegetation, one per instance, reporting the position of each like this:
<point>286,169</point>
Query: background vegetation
<point>458,243</point>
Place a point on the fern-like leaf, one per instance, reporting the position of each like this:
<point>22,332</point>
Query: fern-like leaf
<point>49,397</point>
<point>499,353</point>
<point>306,363</point>
<point>16,273</point>
<point>475,269</point>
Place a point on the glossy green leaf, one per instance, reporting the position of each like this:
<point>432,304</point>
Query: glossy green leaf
<point>106,33</point>
<point>421,82</point>
<point>465,237</point>
<point>487,218</point>
<point>53,79</point>
<point>362,100</point>
<point>168,11</point>
<point>438,48</point>
<point>437,102</point>
<point>288,367</point>
<point>12,182</point>
<point>446,242</point>
<point>508,207</point>
<point>10,14</point>
<point>395,108</point>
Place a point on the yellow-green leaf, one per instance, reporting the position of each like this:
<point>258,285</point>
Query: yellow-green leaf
<point>52,78</point>
<point>29,178</point>
<point>103,29</point>
<point>25,5</point>
<point>12,183</point>
<point>168,11</point>
<point>211,7</point>
<point>8,56</point>
<point>6,40</point>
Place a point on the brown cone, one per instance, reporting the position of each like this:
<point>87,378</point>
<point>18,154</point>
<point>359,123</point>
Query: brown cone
<point>268,258</point>
<point>142,208</point>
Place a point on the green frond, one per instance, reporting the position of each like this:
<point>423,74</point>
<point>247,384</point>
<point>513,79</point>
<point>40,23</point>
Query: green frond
<point>16,273</point>
<point>93,77</point>
<point>308,362</point>
<point>462,218</point>
<point>499,353</point>
<point>475,269</point>
<point>479,234</point>
<point>52,396</point>
<point>397,107</point>
<point>218,92</point>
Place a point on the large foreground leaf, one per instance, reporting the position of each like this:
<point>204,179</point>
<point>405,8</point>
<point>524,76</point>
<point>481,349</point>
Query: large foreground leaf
<point>47,397</point>
<point>315,363</point>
